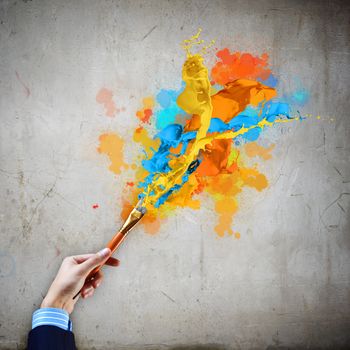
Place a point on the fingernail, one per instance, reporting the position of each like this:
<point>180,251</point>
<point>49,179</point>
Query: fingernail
<point>104,252</point>
<point>98,284</point>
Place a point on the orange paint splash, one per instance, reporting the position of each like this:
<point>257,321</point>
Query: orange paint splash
<point>112,145</point>
<point>233,99</point>
<point>105,97</point>
<point>225,209</point>
<point>253,149</point>
<point>145,113</point>
<point>236,96</point>
<point>216,159</point>
<point>224,189</point>
<point>239,65</point>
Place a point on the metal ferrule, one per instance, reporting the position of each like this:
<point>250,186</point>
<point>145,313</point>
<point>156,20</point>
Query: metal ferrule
<point>134,217</point>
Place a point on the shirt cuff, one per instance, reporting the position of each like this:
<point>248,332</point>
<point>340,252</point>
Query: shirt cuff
<point>50,316</point>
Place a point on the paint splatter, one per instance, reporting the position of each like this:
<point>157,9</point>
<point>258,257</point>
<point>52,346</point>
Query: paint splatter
<point>145,113</point>
<point>206,131</point>
<point>105,97</point>
<point>112,145</point>
<point>253,149</point>
<point>95,206</point>
<point>238,65</point>
<point>167,110</point>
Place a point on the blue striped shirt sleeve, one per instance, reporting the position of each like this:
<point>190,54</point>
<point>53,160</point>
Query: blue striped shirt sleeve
<point>51,317</point>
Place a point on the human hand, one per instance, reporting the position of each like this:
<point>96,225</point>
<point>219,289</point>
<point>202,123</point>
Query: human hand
<point>71,278</point>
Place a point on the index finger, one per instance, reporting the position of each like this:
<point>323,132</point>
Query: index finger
<point>81,258</point>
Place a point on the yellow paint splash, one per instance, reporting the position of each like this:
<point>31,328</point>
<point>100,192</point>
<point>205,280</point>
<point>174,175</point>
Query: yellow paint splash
<point>112,145</point>
<point>142,136</point>
<point>195,99</point>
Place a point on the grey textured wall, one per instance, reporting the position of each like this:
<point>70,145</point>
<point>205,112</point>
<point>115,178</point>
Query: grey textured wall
<point>285,283</point>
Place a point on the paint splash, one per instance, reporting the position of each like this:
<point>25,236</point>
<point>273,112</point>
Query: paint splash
<point>112,145</point>
<point>204,137</point>
<point>105,97</point>
<point>253,149</point>
<point>237,65</point>
<point>145,113</point>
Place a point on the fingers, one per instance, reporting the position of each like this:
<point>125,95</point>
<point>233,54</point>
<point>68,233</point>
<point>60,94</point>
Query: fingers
<point>86,289</point>
<point>88,293</point>
<point>81,258</point>
<point>98,277</point>
<point>112,262</point>
<point>95,260</point>
<point>90,286</point>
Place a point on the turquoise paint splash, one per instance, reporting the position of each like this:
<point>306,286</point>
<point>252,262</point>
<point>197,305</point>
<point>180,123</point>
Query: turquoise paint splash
<point>168,108</point>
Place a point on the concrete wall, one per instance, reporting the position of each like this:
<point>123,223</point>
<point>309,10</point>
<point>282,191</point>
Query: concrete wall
<point>285,283</point>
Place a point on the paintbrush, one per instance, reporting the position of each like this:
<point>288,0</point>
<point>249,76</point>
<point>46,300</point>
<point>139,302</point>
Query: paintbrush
<point>134,217</point>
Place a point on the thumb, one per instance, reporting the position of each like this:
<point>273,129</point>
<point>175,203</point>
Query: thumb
<point>95,260</point>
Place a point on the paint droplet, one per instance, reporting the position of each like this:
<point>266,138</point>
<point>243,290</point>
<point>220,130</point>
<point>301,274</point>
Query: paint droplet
<point>95,206</point>
<point>130,184</point>
<point>237,235</point>
<point>318,117</point>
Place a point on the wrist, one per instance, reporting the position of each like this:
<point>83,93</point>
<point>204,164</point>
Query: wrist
<point>50,301</point>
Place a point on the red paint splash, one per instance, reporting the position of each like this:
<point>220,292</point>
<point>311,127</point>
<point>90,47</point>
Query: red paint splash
<point>239,65</point>
<point>95,206</point>
<point>145,113</point>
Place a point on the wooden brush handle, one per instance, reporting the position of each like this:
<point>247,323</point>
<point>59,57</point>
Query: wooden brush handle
<point>113,244</point>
